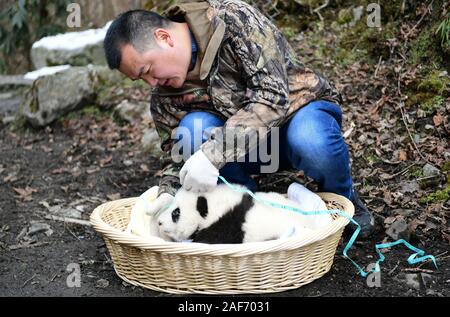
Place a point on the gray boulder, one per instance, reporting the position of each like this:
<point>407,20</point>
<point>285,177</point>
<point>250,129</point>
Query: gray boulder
<point>151,143</point>
<point>74,48</point>
<point>53,96</point>
<point>11,96</point>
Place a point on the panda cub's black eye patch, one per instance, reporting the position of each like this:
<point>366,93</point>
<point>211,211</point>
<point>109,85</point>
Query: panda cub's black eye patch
<point>176,215</point>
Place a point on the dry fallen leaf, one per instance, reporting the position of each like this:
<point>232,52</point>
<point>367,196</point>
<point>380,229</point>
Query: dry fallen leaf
<point>10,178</point>
<point>144,168</point>
<point>46,149</point>
<point>389,220</point>
<point>437,119</point>
<point>158,173</point>
<point>115,196</point>
<point>106,161</point>
<point>59,170</point>
<point>25,194</point>
<point>93,170</point>
<point>402,156</point>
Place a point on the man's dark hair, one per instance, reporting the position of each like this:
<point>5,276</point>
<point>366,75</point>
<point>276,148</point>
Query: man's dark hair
<point>133,27</point>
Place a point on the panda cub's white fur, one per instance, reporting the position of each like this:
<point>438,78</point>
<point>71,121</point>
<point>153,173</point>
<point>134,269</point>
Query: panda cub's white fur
<point>227,216</point>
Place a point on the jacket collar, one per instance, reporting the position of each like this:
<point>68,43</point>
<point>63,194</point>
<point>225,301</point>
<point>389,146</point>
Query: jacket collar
<point>207,28</point>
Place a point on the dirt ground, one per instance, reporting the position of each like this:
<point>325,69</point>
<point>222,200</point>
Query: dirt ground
<point>76,164</point>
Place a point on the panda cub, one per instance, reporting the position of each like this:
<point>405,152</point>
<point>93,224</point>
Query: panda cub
<point>227,216</point>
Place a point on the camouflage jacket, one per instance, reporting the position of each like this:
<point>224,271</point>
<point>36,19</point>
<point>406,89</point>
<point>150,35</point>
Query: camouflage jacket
<point>246,73</point>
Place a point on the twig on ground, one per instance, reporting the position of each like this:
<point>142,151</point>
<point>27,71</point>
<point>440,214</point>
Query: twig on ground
<point>439,255</point>
<point>26,246</point>
<point>415,270</point>
<point>421,19</point>
<point>69,220</point>
<point>26,282</point>
<point>395,267</point>
<point>70,231</point>
<point>53,278</point>
<point>323,6</point>
<point>378,67</point>
<point>409,132</point>
<point>403,171</point>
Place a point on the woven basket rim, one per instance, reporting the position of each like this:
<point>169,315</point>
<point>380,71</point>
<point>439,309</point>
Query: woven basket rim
<point>237,250</point>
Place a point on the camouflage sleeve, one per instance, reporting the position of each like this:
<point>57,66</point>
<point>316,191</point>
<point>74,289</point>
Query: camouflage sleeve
<point>277,84</point>
<point>260,51</point>
<point>169,181</point>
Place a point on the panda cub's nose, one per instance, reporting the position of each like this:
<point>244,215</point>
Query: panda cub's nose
<point>159,223</point>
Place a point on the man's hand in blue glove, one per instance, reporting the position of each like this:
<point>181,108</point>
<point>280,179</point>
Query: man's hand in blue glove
<point>199,174</point>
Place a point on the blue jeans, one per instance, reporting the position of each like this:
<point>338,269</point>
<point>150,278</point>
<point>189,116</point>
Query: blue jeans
<point>310,141</point>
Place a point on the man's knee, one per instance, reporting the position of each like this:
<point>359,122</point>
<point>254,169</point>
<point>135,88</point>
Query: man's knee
<point>314,133</point>
<point>193,127</point>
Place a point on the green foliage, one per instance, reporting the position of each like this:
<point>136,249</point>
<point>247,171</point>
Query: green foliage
<point>444,31</point>
<point>446,167</point>
<point>432,105</point>
<point>429,92</point>
<point>25,21</point>
<point>425,49</point>
<point>440,196</point>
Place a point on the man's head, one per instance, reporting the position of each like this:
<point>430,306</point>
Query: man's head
<point>144,45</point>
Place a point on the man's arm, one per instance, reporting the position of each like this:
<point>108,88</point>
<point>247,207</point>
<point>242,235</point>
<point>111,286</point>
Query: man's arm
<point>169,182</point>
<point>263,55</point>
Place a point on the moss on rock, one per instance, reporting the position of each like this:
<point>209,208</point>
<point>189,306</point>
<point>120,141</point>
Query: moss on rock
<point>439,196</point>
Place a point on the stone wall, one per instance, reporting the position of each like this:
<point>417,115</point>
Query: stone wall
<point>97,13</point>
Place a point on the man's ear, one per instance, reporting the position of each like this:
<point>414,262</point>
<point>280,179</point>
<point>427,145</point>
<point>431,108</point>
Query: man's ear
<point>163,36</point>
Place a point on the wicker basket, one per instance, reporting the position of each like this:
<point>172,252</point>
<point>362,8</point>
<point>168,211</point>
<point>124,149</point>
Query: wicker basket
<point>187,268</point>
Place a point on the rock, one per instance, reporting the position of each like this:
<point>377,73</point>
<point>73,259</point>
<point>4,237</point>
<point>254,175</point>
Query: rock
<point>399,230</point>
<point>447,155</point>
<point>431,292</point>
<point>428,280</point>
<point>128,163</point>
<point>10,103</point>
<point>430,170</point>
<point>66,212</point>
<point>73,48</point>
<point>151,142</point>
<point>133,112</point>
<point>11,96</point>
<point>410,187</point>
<point>45,71</point>
<point>53,96</point>
<point>403,212</point>
<point>99,12</point>
<point>14,82</point>
<point>102,283</point>
<point>412,280</point>
<point>37,227</point>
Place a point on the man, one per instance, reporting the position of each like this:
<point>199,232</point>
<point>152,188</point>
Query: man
<point>224,65</point>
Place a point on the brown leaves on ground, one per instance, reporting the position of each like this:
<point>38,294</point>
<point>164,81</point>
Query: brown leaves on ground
<point>25,194</point>
<point>390,138</point>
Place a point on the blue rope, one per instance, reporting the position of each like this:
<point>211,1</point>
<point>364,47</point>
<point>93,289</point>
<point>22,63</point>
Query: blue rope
<point>411,260</point>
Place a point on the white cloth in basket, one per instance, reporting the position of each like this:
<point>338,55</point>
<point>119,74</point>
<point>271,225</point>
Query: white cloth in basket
<point>140,223</point>
<point>309,201</point>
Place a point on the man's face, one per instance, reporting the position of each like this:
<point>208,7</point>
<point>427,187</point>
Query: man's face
<point>159,66</point>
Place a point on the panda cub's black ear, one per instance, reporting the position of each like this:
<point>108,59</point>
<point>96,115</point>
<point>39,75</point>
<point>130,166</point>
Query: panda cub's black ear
<point>202,206</point>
